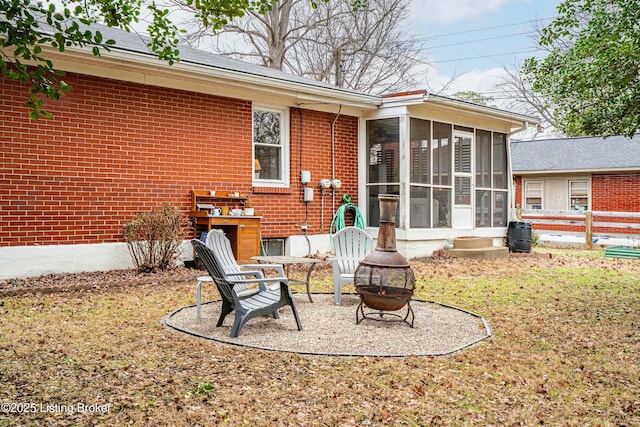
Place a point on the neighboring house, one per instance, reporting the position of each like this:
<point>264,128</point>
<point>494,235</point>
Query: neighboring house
<point>580,174</point>
<point>136,133</point>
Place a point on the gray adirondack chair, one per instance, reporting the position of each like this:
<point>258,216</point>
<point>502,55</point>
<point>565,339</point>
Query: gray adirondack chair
<point>221,247</point>
<point>218,241</point>
<point>351,245</point>
<point>237,295</point>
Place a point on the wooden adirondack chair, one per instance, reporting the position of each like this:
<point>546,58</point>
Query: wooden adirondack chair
<point>237,295</point>
<point>351,245</point>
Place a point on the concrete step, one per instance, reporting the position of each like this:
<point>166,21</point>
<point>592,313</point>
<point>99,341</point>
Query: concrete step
<point>472,242</point>
<point>479,253</point>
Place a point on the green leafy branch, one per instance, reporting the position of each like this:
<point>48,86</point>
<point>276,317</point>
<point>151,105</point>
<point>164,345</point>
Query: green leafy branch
<point>28,29</point>
<point>592,74</point>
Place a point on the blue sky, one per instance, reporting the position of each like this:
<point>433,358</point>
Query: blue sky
<point>457,30</point>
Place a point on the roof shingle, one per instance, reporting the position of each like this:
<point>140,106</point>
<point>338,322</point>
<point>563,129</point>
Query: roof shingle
<point>576,154</point>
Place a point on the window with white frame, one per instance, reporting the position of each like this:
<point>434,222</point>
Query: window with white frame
<point>500,179</point>
<point>383,170</point>
<point>462,169</point>
<point>270,145</point>
<point>533,194</point>
<point>441,174</point>
<point>579,195</point>
<point>483,172</point>
<point>491,179</point>
<point>420,173</point>
<point>443,171</point>
<point>430,174</point>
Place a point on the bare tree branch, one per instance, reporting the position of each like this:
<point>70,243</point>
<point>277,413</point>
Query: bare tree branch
<point>367,49</point>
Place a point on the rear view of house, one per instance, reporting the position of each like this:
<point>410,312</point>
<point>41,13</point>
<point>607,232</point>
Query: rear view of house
<point>136,133</point>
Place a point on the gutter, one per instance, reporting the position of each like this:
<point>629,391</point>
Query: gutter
<point>422,97</point>
<point>577,171</point>
<point>482,109</point>
<point>142,62</point>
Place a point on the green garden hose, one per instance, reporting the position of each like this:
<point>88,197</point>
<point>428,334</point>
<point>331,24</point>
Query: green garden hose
<point>338,222</point>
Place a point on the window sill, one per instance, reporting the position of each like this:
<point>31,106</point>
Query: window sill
<point>271,190</point>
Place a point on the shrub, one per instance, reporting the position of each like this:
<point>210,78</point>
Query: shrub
<point>153,238</point>
<point>534,238</point>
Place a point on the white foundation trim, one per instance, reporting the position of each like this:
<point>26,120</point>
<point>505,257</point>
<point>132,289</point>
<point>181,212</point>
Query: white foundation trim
<point>32,261</point>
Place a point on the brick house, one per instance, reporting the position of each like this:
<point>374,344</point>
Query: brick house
<point>136,133</point>
<point>580,174</point>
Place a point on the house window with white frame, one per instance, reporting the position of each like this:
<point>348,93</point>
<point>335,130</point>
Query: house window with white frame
<point>533,195</point>
<point>579,195</point>
<point>270,146</point>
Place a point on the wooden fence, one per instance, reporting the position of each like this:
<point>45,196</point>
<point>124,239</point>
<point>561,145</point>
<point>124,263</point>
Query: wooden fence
<point>590,223</point>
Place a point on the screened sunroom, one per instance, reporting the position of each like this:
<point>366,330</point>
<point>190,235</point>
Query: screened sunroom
<point>448,161</point>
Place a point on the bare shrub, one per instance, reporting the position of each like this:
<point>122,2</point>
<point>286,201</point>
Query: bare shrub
<point>153,238</point>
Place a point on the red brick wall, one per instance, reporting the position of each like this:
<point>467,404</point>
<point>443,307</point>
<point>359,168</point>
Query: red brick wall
<point>114,149</point>
<point>518,191</point>
<point>616,193</point>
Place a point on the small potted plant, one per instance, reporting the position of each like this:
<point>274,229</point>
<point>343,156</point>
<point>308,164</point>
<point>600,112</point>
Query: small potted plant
<point>248,209</point>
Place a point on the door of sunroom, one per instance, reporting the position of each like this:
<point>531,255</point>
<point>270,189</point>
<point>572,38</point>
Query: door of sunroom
<point>462,215</point>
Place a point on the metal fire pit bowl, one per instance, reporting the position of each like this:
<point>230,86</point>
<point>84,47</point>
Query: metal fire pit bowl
<point>384,289</point>
<point>390,300</point>
<point>389,297</point>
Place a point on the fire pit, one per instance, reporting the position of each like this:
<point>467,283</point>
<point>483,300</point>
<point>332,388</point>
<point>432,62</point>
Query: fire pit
<point>384,280</point>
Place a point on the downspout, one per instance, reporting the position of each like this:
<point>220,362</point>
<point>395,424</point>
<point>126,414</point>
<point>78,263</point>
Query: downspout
<point>333,160</point>
<point>300,130</point>
<point>306,207</point>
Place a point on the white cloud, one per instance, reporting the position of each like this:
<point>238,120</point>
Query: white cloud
<point>478,81</point>
<point>481,81</point>
<point>448,12</point>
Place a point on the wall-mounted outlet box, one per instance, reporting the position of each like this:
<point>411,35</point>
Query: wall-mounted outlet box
<point>308,194</point>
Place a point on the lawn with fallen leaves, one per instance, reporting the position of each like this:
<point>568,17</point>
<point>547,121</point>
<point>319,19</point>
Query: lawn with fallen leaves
<point>564,352</point>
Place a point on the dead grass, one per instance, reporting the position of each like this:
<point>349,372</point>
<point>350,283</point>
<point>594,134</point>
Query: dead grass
<point>564,352</point>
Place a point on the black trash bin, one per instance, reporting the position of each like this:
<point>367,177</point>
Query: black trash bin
<point>519,237</point>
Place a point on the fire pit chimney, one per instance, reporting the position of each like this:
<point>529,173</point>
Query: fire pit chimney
<point>384,279</point>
